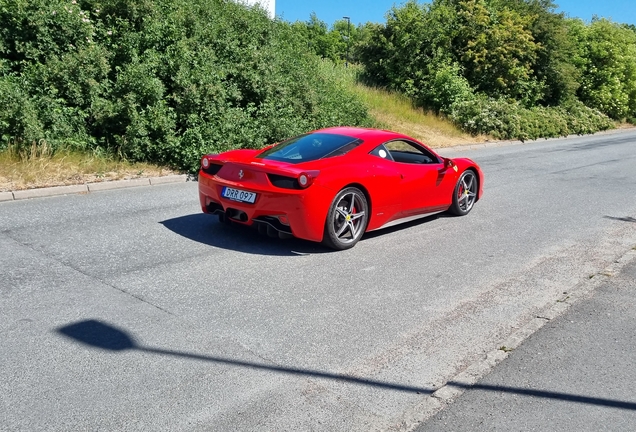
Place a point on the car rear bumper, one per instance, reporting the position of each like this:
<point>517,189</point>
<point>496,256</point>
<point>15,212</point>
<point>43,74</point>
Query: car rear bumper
<point>301,213</point>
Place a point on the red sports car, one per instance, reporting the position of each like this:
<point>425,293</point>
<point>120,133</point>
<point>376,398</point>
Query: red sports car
<point>333,185</point>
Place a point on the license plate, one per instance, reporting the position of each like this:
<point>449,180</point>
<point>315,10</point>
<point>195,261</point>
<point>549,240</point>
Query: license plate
<point>239,195</point>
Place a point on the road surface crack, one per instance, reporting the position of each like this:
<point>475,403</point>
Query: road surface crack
<point>77,270</point>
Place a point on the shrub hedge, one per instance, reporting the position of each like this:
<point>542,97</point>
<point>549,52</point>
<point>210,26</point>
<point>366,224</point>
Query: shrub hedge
<point>510,120</point>
<point>159,80</point>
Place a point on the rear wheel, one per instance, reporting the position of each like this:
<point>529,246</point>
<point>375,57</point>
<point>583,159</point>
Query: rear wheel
<point>465,193</point>
<point>347,219</point>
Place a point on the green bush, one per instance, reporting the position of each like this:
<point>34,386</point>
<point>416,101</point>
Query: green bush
<point>510,120</point>
<point>19,122</point>
<point>445,87</point>
<point>607,63</point>
<point>161,81</point>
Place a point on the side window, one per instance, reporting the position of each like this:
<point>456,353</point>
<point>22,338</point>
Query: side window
<point>381,152</point>
<point>408,152</point>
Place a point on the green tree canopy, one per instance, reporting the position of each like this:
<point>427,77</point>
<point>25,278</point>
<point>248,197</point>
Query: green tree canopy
<point>512,49</point>
<point>606,60</point>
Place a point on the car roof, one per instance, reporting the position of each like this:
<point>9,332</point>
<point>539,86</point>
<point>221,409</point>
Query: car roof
<point>362,133</point>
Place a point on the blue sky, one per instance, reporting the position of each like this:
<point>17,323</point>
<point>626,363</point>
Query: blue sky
<point>374,10</point>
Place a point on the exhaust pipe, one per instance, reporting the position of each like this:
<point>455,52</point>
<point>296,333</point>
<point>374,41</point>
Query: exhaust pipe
<point>235,214</point>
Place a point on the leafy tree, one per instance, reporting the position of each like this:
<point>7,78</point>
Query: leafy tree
<point>552,67</point>
<point>332,43</point>
<point>396,55</point>
<point>494,66</point>
<point>607,62</point>
<point>497,50</point>
<point>324,43</point>
<point>490,48</point>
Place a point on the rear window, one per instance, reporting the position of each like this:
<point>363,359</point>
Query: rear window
<point>310,147</point>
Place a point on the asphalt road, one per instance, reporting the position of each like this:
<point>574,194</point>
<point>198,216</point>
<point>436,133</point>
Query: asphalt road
<point>131,310</point>
<point>576,374</point>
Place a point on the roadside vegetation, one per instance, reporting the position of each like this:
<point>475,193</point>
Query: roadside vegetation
<point>395,111</point>
<point>160,81</point>
<point>512,69</point>
<point>137,85</point>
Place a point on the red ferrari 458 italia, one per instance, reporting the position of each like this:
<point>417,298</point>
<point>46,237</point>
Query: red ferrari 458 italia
<point>333,185</point>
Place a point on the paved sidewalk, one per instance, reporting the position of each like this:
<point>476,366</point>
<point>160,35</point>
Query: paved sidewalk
<point>577,373</point>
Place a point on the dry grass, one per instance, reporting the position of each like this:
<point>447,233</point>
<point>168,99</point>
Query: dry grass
<point>396,112</point>
<point>41,169</point>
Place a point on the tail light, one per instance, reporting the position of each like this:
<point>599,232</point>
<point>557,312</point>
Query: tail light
<point>209,165</point>
<point>304,180</point>
<point>307,178</point>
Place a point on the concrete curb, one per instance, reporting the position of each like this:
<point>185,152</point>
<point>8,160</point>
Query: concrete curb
<point>117,184</point>
<point>89,187</point>
<point>168,179</point>
<point>51,191</point>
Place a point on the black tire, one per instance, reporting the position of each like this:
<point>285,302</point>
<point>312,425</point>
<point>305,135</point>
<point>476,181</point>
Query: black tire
<point>465,193</point>
<point>347,219</point>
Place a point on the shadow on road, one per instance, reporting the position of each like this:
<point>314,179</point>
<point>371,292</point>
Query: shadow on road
<point>405,225</point>
<point>100,335</point>
<point>549,395</point>
<point>206,229</point>
<point>104,336</point>
<point>624,219</point>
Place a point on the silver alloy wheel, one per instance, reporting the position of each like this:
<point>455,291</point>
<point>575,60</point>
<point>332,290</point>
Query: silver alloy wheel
<point>348,219</point>
<point>467,191</point>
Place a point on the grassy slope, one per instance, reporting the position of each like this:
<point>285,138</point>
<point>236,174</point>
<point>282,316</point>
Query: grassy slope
<point>42,170</point>
<point>395,112</point>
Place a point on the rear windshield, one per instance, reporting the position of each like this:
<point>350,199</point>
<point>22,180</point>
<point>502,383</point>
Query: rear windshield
<point>310,147</point>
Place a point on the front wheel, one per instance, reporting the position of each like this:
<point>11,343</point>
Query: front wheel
<point>465,193</point>
<point>347,219</point>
